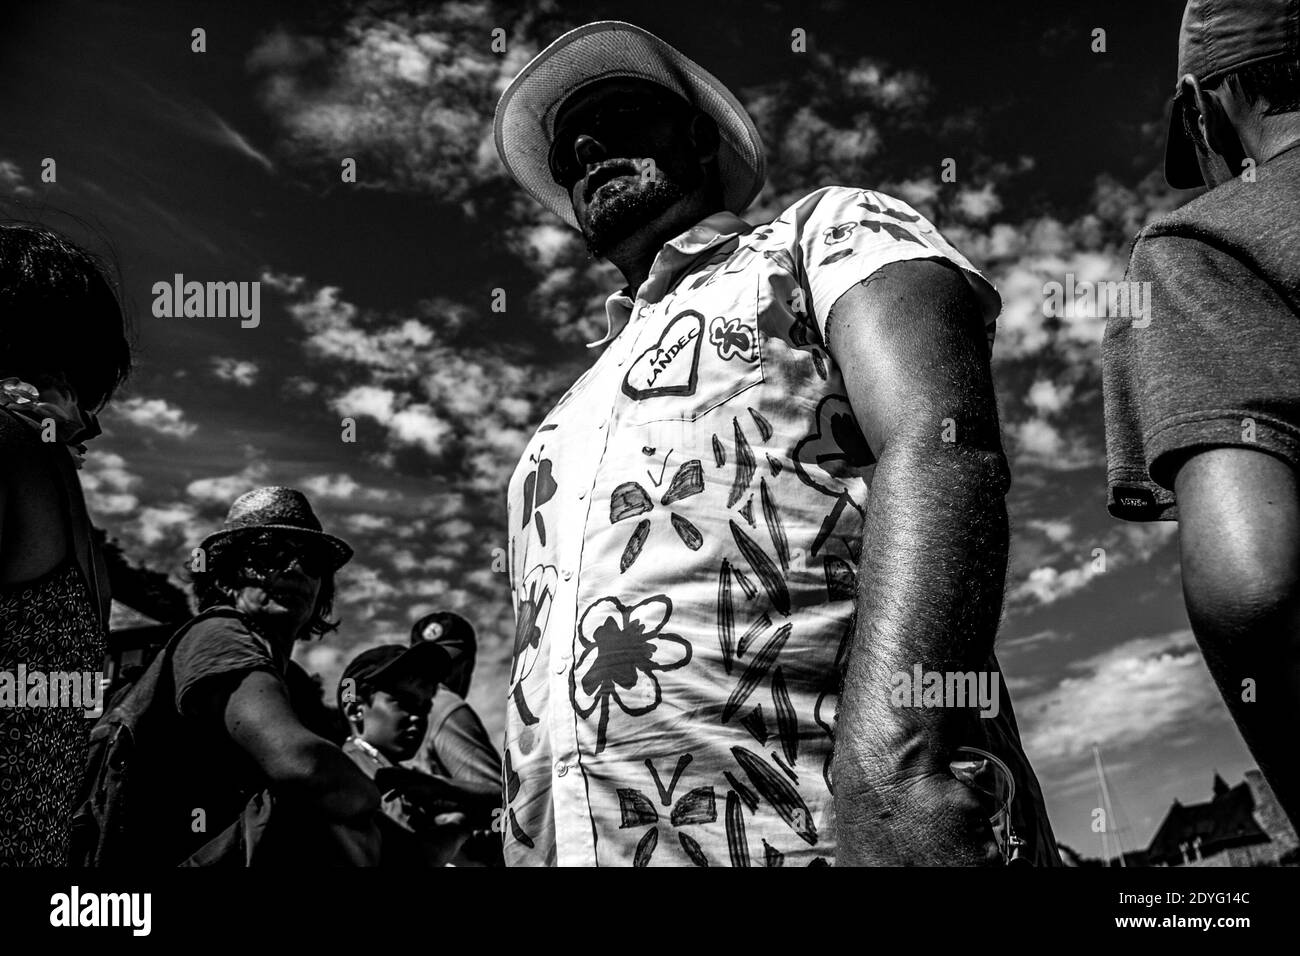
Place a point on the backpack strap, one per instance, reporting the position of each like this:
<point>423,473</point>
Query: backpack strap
<point>138,701</point>
<point>99,836</point>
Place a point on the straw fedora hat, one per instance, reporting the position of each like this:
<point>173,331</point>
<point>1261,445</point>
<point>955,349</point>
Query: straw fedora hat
<point>525,115</point>
<point>279,509</point>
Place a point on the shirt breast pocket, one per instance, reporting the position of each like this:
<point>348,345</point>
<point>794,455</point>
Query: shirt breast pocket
<point>703,351</point>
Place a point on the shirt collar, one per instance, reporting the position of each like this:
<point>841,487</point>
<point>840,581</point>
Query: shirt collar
<point>674,259</point>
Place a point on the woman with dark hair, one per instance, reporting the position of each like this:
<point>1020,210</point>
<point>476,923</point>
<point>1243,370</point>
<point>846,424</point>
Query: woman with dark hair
<point>63,351</point>
<point>227,728</point>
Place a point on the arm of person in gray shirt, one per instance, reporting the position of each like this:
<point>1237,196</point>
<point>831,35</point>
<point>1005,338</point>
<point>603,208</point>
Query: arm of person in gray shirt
<point>1213,382</point>
<point>1227,439</point>
<point>1239,542</point>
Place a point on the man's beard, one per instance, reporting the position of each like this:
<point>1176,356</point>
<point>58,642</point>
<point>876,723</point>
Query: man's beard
<point>611,220</point>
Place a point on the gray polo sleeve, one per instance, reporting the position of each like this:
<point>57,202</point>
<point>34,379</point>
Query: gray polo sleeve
<point>1216,363</point>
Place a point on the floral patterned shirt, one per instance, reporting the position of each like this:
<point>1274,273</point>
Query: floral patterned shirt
<point>685,527</point>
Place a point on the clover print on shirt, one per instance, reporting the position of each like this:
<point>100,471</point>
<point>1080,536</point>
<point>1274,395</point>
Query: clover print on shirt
<point>636,809</point>
<point>732,339</point>
<point>631,499</point>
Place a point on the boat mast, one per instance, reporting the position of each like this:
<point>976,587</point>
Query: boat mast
<point>1110,810</point>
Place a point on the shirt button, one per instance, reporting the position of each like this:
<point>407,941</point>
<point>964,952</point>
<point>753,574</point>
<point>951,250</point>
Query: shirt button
<point>561,768</point>
<point>567,575</point>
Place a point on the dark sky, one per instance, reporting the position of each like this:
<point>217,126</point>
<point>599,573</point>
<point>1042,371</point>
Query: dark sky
<point>224,165</point>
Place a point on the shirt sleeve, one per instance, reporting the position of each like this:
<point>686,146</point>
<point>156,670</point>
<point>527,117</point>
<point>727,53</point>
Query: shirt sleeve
<point>463,746</point>
<point>215,648</point>
<point>846,235</point>
<point>1214,362</point>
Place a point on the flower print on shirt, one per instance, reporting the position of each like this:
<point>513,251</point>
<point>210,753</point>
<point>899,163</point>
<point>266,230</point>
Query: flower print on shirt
<point>623,647</point>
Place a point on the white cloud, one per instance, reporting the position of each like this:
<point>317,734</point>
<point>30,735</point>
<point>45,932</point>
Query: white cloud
<point>420,425</point>
<point>154,414</point>
<point>224,489</point>
<point>889,89</point>
<point>1056,531</point>
<point>1048,396</point>
<point>1047,585</point>
<point>176,523</point>
<point>341,487</point>
<point>367,400</point>
<point>108,484</point>
<point>470,402</point>
<point>1038,442</point>
<point>1125,545</point>
<point>417,424</point>
<point>240,371</point>
<point>1038,637</point>
<point>361,522</point>
<point>979,204</point>
<point>325,661</point>
<point>365,588</point>
<point>408,97</point>
<point>546,242</point>
<point>919,193</point>
<point>11,179</point>
<point>1139,690</point>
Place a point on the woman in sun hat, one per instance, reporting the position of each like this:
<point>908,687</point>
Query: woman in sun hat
<point>226,739</point>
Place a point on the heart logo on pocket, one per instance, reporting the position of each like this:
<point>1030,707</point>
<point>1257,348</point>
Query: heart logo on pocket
<point>670,366</point>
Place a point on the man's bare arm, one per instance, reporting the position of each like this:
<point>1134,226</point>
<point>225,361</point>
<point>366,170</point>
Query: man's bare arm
<point>913,350</point>
<point>1239,536</point>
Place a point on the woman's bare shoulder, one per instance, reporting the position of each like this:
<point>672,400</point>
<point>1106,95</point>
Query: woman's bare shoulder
<point>15,437</point>
<point>20,449</point>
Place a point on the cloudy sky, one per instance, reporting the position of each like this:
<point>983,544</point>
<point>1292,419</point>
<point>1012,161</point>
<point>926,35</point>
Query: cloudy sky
<point>376,296</point>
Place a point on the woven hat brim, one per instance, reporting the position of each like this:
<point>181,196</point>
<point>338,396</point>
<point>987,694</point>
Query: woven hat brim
<point>525,114</point>
<point>337,547</point>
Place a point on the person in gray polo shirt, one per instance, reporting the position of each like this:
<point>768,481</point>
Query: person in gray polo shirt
<point>1203,395</point>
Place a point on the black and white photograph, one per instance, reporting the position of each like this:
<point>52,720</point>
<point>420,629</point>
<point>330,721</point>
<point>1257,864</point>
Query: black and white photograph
<point>481,434</point>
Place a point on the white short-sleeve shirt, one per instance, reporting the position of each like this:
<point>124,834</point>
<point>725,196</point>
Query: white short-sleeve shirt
<point>685,528</point>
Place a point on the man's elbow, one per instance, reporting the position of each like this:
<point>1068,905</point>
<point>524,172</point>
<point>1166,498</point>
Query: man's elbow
<point>961,465</point>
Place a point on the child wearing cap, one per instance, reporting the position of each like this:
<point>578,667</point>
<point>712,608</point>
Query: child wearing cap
<point>385,695</point>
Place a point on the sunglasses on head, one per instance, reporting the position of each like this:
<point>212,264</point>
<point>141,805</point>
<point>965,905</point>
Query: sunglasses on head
<point>617,123</point>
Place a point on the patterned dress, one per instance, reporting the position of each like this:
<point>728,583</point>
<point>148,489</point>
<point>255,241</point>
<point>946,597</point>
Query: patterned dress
<point>46,625</point>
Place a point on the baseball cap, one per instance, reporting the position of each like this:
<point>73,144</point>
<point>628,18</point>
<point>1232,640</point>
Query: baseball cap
<point>456,637</point>
<point>1217,37</point>
<point>391,663</point>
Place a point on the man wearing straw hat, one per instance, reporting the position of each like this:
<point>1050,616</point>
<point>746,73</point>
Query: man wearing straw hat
<point>778,488</point>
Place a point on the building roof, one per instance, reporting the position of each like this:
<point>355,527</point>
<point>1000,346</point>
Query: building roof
<point>1226,820</point>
